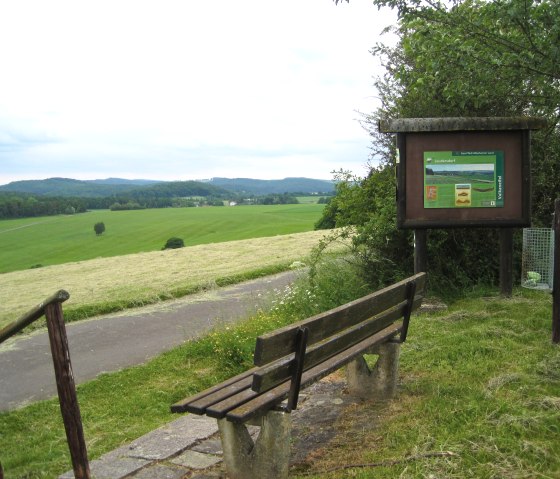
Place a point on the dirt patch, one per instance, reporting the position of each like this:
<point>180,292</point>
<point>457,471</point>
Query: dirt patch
<point>328,416</point>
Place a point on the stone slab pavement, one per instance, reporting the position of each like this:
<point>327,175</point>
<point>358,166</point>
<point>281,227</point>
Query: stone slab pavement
<point>190,447</point>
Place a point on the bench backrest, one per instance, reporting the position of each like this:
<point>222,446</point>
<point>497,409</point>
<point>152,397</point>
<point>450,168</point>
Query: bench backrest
<point>334,331</point>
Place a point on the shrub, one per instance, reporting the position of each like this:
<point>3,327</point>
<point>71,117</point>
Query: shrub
<point>457,258</point>
<point>173,243</point>
<point>99,228</point>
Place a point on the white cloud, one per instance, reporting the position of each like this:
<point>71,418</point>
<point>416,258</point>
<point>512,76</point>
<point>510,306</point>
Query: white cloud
<point>185,89</point>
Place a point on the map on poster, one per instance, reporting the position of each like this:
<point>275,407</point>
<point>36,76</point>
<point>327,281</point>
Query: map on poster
<point>463,179</point>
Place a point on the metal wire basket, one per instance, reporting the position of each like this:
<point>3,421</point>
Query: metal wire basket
<point>537,269</point>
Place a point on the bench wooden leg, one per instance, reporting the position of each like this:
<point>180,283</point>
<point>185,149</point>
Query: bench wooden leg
<point>379,383</point>
<point>265,458</point>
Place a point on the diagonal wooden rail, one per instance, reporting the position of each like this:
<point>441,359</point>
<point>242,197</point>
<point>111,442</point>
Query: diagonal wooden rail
<point>51,308</point>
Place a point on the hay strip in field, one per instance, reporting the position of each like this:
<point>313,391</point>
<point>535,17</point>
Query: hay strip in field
<point>144,277</point>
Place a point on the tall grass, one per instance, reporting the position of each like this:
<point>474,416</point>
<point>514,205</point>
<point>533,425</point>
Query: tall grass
<point>482,381</point>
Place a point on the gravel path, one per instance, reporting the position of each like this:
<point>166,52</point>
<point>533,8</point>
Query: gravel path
<point>116,341</point>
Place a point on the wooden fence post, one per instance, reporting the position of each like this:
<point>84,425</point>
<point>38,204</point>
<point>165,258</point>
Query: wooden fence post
<point>556,276</point>
<point>506,261</point>
<point>67,390</point>
<point>420,251</point>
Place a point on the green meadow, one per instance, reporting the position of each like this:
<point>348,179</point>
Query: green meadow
<point>27,243</point>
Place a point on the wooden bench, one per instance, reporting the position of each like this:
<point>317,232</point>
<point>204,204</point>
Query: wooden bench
<point>297,355</point>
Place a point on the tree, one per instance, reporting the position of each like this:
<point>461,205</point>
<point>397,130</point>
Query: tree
<point>468,58</point>
<point>99,228</point>
<point>173,243</point>
<point>479,58</point>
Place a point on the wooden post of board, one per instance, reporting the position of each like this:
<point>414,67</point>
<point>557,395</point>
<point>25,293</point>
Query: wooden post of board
<point>420,251</point>
<point>67,390</point>
<point>506,261</point>
<point>556,276</point>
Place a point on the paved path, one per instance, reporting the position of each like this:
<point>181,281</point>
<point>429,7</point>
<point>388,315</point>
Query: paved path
<point>116,341</point>
<point>190,446</point>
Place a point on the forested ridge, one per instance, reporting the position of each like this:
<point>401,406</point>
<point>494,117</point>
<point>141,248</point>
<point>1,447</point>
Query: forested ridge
<point>68,196</point>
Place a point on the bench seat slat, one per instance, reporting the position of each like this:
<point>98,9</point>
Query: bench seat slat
<point>279,371</point>
<point>264,401</point>
<point>181,406</point>
<point>202,405</point>
<point>219,410</point>
<point>277,344</point>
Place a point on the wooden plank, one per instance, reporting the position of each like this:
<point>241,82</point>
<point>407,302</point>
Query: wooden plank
<point>269,399</point>
<point>277,344</point>
<point>279,371</point>
<point>200,406</point>
<point>460,124</point>
<point>295,380</point>
<point>219,410</point>
<point>181,406</point>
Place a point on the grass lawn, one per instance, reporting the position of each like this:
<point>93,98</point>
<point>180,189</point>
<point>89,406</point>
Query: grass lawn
<point>25,243</point>
<point>480,380</point>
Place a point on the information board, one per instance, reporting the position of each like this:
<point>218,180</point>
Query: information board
<point>463,172</point>
<point>464,179</point>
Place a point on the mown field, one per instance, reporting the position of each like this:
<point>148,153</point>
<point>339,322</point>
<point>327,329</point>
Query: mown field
<point>105,285</point>
<point>26,243</point>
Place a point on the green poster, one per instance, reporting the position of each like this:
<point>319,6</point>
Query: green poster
<point>463,179</point>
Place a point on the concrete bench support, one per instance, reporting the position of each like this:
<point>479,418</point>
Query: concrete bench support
<point>379,383</point>
<point>267,457</point>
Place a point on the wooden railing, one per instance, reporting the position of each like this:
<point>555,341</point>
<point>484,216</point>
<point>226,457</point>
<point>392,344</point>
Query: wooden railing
<point>51,308</point>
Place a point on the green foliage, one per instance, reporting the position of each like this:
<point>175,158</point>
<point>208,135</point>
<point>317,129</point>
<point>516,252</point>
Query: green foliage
<point>130,205</point>
<point>283,199</point>
<point>366,210</point>
<point>479,58</point>
<point>173,243</point>
<point>471,58</point>
<point>250,187</point>
<point>99,228</point>
<point>22,205</point>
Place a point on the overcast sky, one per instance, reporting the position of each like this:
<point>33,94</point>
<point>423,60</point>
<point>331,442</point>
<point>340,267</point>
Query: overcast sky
<point>179,90</point>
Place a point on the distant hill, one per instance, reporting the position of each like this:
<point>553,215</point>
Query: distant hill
<point>76,188</point>
<point>264,187</point>
<point>215,187</point>
<point>122,181</point>
<point>179,189</point>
